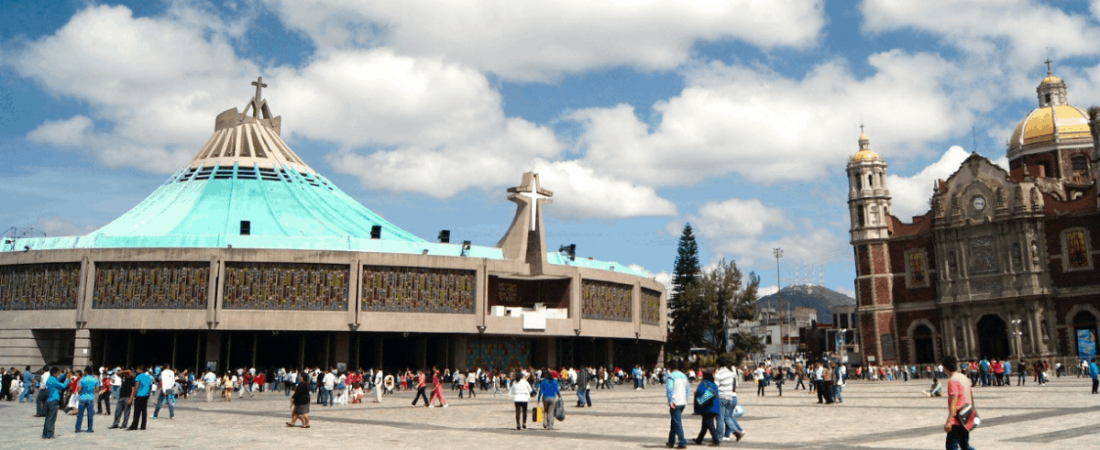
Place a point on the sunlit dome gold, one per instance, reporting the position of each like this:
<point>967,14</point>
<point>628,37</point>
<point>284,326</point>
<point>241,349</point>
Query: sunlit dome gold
<point>865,155</point>
<point>1042,124</point>
<point>1051,79</point>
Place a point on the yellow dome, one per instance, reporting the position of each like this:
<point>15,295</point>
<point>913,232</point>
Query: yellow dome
<point>865,155</point>
<point>863,137</point>
<point>1051,79</point>
<point>1069,122</point>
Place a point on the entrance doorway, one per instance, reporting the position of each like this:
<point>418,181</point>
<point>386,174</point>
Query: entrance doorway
<point>992,337</point>
<point>923,341</point>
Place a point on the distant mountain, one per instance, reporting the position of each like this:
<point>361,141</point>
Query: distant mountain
<point>809,296</point>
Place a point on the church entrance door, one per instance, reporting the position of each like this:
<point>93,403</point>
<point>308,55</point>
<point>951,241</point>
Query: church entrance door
<point>922,345</point>
<point>992,337</point>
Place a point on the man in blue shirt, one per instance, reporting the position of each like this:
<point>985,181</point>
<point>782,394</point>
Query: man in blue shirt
<point>677,390</point>
<point>28,380</point>
<point>139,397</point>
<point>54,385</point>
<point>86,388</point>
<point>1093,373</point>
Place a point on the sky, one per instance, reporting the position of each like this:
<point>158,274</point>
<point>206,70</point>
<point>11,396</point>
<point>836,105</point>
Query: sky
<point>734,116</point>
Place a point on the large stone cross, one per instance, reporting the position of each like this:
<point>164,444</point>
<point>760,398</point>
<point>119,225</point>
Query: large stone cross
<point>258,100</point>
<point>531,192</point>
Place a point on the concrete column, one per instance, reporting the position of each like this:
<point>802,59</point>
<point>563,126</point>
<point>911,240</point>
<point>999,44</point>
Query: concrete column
<point>343,348</point>
<point>175,346</point>
<point>971,342</point>
<point>214,349</point>
<point>129,348</point>
<point>229,351</point>
<point>328,351</point>
<point>198,356</point>
<point>302,352</point>
<point>82,350</point>
<point>610,362</point>
<point>552,352</point>
<point>459,354</point>
<point>255,342</point>
<point>379,343</point>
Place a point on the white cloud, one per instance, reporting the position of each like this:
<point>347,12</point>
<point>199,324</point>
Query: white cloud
<point>765,291</point>
<point>769,128</point>
<point>580,192</point>
<point>401,123</point>
<point>55,226</point>
<point>1031,29</point>
<point>664,278</point>
<point>1003,42</point>
<point>846,291</point>
<point>737,217</point>
<point>544,40</point>
<point>746,231</point>
<point>156,81</point>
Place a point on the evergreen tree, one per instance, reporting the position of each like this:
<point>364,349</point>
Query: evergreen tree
<point>684,325</point>
<point>686,270</point>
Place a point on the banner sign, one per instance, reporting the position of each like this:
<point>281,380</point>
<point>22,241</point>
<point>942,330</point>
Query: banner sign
<point>1086,344</point>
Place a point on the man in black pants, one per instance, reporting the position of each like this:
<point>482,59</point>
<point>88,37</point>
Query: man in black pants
<point>139,398</point>
<point>421,384</point>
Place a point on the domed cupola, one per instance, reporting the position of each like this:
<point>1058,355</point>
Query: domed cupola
<point>1041,137</point>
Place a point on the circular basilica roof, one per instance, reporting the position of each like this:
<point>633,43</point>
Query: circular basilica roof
<point>1043,124</point>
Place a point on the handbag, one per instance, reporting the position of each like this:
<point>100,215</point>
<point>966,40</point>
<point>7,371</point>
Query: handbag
<point>559,409</point>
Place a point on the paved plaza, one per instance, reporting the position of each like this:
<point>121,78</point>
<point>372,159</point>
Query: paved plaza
<point>880,415</point>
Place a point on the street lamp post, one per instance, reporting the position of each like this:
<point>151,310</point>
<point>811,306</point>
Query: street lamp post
<point>779,285</point>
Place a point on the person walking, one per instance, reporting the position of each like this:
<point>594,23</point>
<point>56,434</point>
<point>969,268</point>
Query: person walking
<point>521,395</point>
<point>706,404</point>
<point>329,382</point>
<point>548,395</point>
<point>726,379</point>
<point>378,386</point>
<point>43,395</point>
<point>125,388</point>
<point>139,398</point>
<point>676,392</point>
<point>164,394</point>
<point>1021,378</point>
<point>299,403</point>
<point>582,388</point>
<point>1094,375</point>
<point>210,384</point>
<point>437,389</point>
<point>28,381</point>
<point>959,394</point>
<point>55,384</point>
<point>421,385</point>
<point>86,389</point>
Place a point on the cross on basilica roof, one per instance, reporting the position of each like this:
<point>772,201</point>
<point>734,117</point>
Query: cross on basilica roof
<point>533,192</point>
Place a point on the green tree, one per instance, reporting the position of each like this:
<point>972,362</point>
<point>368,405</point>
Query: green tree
<point>685,272</point>
<point>718,299</point>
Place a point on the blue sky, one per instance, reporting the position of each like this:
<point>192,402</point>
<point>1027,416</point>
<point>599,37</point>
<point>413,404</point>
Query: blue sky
<point>735,116</point>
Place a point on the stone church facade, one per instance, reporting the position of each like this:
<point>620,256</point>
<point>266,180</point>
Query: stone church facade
<point>1003,266</point>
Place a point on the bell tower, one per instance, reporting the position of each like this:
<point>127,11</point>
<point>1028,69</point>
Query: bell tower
<point>869,207</point>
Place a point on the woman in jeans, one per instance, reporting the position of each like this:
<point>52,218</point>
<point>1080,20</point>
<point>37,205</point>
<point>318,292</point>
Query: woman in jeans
<point>548,395</point>
<point>521,394</point>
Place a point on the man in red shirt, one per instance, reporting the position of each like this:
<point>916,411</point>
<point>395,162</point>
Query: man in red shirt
<point>959,394</point>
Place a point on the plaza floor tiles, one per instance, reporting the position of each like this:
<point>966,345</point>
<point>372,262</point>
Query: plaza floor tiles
<point>881,415</point>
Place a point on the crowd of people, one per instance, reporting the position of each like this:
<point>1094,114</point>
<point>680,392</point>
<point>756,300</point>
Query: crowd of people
<point>90,392</point>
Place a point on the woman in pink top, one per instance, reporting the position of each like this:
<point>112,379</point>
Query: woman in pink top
<point>437,390</point>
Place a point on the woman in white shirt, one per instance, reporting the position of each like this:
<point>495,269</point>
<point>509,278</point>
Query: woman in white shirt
<point>521,394</point>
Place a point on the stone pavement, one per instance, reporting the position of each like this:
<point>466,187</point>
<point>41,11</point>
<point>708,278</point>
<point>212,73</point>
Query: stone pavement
<point>880,415</point>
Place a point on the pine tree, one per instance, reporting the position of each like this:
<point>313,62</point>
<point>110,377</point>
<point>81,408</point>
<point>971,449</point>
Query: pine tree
<point>687,266</point>
<point>682,317</point>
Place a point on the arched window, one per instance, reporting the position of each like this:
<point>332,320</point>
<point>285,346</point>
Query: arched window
<point>859,182</point>
<point>870,181</point>
<point>881,180</point>
<point>859,214</point>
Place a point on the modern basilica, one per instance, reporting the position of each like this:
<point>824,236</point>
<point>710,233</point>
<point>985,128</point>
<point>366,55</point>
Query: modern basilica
<point>1003,265</point>
<point>247,256</point>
